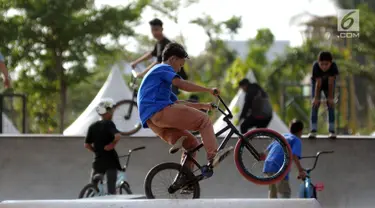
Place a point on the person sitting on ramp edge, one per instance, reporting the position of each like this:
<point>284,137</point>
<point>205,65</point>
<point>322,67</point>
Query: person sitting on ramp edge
<point>101,139</point>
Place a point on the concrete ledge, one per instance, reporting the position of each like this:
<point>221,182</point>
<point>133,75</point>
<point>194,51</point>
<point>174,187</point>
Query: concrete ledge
<point>196,203</point>
<point>61,137</point>
<point>117,197</point>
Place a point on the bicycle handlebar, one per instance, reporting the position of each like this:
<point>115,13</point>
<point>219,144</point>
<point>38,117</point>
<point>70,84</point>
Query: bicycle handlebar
<point>229,115</point>
<point>316,159</point>
<point>129,154</point>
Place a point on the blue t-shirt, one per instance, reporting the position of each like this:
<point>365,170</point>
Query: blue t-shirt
<point>155,92</point>
<point>2,58</point>
<point>275,156</point>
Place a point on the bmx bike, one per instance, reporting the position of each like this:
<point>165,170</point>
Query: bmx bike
<point>97,186</point>
<point>307,188</point>
<point>125,113</point>
<point>187,179</point>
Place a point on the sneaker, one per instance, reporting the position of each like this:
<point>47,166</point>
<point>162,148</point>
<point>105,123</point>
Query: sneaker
<point>312,135</point>
<point>220,155</point>
<point>332,135</point>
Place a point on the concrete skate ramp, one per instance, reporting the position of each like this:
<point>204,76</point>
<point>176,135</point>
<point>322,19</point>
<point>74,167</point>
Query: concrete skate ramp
<point>57,168</point>
<point>161,203</point>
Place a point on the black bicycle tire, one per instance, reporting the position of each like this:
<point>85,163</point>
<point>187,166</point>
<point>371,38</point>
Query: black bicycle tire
<point>269,179</point>
<point>87,186</point>
<point>163,166</point>
<point>126,187</point>
<point>122,102</point>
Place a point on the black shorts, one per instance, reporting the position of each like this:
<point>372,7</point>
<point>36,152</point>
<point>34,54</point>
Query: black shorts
<point>251,122</point>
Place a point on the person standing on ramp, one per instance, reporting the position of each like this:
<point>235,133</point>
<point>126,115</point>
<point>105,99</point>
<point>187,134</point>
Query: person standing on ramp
<point>101,139</point>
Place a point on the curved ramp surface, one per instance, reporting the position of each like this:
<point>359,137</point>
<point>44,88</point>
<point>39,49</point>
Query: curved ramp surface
<point>161,203</point>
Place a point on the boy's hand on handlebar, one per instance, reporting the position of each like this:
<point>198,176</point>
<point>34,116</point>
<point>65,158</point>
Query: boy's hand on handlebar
<point>206,106</point>
<point>133,65</point>
<point>214,91</point>
<point>301,175</point>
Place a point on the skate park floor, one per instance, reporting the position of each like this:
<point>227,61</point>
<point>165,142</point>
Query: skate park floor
<point>51,167</point>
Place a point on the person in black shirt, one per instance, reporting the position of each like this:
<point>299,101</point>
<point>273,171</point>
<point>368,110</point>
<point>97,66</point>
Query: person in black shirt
<point>323,78</point>
<point>101,139</point>
<point>162,41</point>
<point>257,110</point>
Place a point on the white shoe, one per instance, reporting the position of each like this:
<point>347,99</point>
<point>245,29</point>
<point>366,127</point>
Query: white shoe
<point>220,155</point>
<point>312,135</point>
<point>178,145</point>
<point>332,135</point>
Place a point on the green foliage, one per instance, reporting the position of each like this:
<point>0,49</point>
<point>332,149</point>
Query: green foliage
<point>50,41</point>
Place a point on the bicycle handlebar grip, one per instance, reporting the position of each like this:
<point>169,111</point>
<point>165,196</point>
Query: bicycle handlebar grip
<point>216,92</point>
<point>134,73</point>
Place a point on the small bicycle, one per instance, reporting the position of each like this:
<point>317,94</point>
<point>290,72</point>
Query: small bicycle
<point>186,179</point>
<point>307,188</point>
<point>123,111</point>
<point>97,188</point>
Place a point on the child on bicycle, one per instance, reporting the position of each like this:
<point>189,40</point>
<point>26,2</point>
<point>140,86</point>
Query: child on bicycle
<point>169,118</point>
<point>101,139</point>
<point>274,158</point>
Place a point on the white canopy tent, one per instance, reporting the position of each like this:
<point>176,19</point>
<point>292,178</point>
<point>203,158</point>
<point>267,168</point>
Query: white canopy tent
<point>115,88</point>
<point>8,127</point>
<point>276,124</point>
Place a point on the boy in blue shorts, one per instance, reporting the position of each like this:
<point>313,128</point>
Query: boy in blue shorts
<point>275,158</point>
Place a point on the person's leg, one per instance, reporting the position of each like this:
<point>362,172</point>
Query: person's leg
<point>283,188</point>
<point>331,115</point>
<point>183,118</point>
<point>272,189</point>
<point>171,136</point>
<point>93,172</point>
<point>247,124</point>
<point>314,112</point>
<point>111,180</point>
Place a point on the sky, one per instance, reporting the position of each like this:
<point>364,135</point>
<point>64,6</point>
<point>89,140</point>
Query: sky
<point>273,14</point>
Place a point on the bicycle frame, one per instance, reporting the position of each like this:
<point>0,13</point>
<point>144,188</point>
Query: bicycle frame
<point>120,177</point>
<point>233,130</point>
<point>308,188</point>
<point>134,96</point>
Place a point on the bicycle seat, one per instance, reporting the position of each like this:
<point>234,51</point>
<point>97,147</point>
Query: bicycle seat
<point>97,177</point>
<point>177,146</point>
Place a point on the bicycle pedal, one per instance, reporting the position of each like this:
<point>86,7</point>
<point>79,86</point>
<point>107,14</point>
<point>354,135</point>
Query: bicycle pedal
<point>207,171</point>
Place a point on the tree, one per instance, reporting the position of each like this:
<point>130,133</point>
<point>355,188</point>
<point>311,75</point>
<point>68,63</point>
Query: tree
<point>50,42</point>
<point>209,67</point>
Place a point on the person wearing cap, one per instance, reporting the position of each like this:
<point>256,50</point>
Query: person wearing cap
<point>101,139</point>
<point>4,70</point>
<point>157,32</point>
<point>172,119</point>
